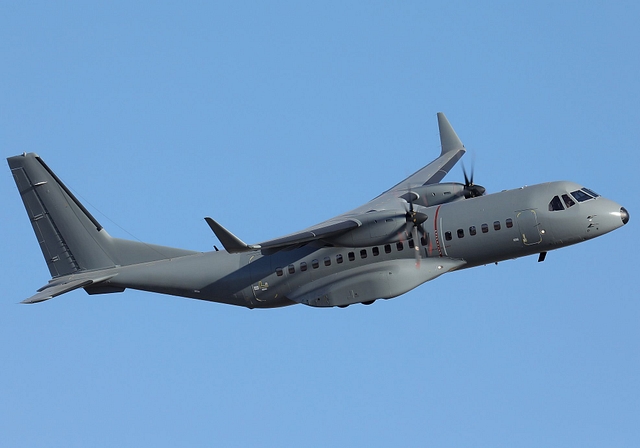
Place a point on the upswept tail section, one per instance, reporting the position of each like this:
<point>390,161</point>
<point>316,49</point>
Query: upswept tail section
<point>70,238</point>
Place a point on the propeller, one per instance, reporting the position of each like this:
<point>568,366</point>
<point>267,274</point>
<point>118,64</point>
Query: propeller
<point>415,219</point>
<point>471,190</point>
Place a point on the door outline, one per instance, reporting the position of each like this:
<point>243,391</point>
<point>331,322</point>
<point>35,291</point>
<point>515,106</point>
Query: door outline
<point>529,227</point>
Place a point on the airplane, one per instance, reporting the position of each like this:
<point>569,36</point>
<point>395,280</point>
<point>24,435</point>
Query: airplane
<point>412,233</point>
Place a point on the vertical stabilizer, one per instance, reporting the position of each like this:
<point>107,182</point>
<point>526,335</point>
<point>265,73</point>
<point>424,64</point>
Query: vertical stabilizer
<point>70,238</point>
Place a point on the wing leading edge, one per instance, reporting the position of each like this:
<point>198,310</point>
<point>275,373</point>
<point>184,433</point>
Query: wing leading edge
<point>452,150</point>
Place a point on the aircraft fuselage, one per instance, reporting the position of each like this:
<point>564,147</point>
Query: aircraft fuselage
<point>412,233</point>
<point>467,233</point>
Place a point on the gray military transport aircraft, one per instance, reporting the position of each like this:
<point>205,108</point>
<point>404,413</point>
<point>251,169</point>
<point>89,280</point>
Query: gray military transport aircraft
<point>410,234</point>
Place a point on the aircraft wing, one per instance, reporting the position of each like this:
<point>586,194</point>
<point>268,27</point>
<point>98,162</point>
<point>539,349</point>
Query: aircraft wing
<point>452,150</point>
<point>233,244</point>
<point>327,230</point>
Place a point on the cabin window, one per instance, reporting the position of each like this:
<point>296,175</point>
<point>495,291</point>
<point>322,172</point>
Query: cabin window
<point>375,251</point>
<point>279,272</point>
<point>485,228</point>
<point>509,223</point>
<point>399,246</point>
<point>363,253</point>
<point>303,266</point>
<point>411,244</point>
<point>580,196</point>
<point>472,230</point>
<point>339,258</point>
<point>423,240</point>
<point>568,201</point>
<point>292,269</point>
<point>387,248</point>
<point>352,256</point>
<point>496,225</point>
<point>460,233</point>
<point>327,261</point>
<point>447,236</point>
<point>555,204</point>
<point>315,264</point>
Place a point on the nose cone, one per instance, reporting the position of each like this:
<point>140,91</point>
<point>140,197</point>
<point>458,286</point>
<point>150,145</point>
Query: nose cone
<point>624,215</point>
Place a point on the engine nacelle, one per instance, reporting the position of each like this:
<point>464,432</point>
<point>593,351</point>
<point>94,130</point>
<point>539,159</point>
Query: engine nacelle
<point>436,194</point>
<point>378,227</point>
<point>388,226</point>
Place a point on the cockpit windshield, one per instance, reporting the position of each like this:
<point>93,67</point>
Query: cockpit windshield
<point>591,192</point>
<point>581,195</point>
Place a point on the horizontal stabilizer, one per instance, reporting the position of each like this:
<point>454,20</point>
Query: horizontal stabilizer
<point>54,290</point>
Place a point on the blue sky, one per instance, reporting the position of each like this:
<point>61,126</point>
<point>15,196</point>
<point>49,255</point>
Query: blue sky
<point>271,117</point>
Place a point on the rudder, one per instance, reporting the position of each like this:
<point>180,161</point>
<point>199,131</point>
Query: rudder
<point>70,238</point>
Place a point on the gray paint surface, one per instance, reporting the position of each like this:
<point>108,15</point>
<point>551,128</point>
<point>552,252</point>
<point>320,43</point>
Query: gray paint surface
<point>412,233</point>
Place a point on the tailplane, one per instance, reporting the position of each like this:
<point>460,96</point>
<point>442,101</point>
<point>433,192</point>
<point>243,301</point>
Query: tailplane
<point>70,238</point>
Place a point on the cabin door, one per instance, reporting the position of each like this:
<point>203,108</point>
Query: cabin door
<point>529,227</point>
<point>260,268</point>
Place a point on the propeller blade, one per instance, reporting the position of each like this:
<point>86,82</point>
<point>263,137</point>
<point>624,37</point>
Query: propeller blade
<point>467,181</point>
<point>470,189</point>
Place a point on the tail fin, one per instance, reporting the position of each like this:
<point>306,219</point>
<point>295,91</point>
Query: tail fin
<point>70,238</point>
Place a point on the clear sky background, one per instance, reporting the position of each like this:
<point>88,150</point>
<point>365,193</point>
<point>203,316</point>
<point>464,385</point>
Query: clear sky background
<point>273,116</point>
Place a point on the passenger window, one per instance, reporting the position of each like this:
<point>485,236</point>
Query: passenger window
<point>399,246</point>
<point>327,261</point>
<point>363,253</point>
<point>352,256</point>
<point>303,266</point>
<point>509,223</point>
<point>375,251</point>
<point>567,200</point>
<point>485,228</point>
<point>315,264</point>
<point>411,244</point>
<point>292,269</point>
<point>423,240</point>
<point>447,236</point>
<point>580,196</point>
<point>339,258</point>
<point>387,248</point>
<point>279,272</point>
<point>460,233</point>
<point>472,230</point>
<point>496,225</point>
<point>555,204</point>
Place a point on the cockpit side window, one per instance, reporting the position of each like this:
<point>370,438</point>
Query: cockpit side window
<point>580,196</point>
<point>555,204</point>
<point>568,201</point>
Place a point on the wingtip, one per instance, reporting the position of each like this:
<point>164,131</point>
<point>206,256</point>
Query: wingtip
<point>230,242</point>
<point>449,140</point>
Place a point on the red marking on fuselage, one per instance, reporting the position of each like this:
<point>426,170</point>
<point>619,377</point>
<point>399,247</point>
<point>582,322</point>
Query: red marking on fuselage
<point>435,231</point>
